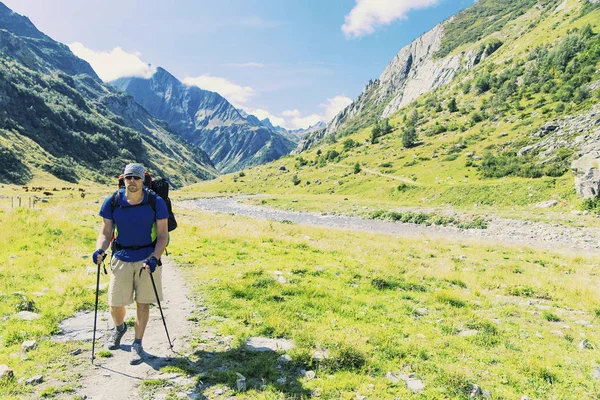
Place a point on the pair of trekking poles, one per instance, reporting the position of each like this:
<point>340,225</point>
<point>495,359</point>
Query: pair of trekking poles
<point>96,309</point>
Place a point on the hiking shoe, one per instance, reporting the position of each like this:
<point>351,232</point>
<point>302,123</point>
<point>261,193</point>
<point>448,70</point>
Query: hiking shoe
<point>115,339</point>
<point>137,354</point>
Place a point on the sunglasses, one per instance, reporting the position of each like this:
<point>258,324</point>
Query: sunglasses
<point>137,178</point>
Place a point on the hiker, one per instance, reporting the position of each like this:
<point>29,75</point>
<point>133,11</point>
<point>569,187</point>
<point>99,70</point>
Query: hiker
<point>140,239</point>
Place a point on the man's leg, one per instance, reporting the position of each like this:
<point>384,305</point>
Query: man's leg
<point>120,293</point>
<point>144,296</point>
<point>141,320</point>
<point>118,315</point>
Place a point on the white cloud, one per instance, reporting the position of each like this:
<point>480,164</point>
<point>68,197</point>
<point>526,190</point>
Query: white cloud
<point>293,119</point>
<point>262,114</point>
<point>246,65</point>
<point>288,119</point>
<point>334,106</point>
<point>369,13</point>
<point>304,122</point>
<point>234,93</point>
<point>291,113</point>
<point>115,64</point>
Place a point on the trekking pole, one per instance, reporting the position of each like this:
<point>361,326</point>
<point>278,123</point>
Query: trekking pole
<point>161,312</point>
<point>95,312</point>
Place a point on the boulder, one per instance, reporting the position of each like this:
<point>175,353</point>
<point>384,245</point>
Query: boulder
<point>6,372</point>
<point>588,185</point>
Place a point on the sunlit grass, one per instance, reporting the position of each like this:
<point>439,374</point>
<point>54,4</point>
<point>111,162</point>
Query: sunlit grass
<point>377,304</point>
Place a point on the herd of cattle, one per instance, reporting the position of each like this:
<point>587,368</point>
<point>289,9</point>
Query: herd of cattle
<point>48,192</point>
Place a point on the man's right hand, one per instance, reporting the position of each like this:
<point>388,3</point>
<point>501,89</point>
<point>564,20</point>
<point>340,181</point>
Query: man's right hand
<point>98,256</point>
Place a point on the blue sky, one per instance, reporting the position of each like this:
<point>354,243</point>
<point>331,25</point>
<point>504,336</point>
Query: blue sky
<point>296,61</point>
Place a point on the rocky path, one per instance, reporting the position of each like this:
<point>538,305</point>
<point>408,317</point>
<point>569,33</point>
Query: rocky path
<point>112,377</point>
<point>500,230</point>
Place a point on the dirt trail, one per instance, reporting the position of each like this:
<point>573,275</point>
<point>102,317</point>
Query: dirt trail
<point>113,378</point>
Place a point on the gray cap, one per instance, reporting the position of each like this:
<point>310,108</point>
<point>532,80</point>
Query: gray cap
<point>134,170</point>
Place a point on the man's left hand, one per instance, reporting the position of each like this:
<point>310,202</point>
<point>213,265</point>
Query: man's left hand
<point>150,264</point>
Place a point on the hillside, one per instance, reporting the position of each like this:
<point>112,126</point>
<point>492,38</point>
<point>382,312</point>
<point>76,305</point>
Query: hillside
<point>57,118</point>
<point>232,140</point>
<point>504,132</point>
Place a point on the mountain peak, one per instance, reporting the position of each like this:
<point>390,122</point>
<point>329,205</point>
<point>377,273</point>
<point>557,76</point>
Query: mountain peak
<point>18,24</point>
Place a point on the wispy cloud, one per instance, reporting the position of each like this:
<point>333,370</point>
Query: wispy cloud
<point>294,119</point>
<point>258,22</point>
<point>261,113</point>
<point>114,64</point>
<point>245,65</point>
<point>334,106</point>
<point>234,93</point>
<point>367,14</point>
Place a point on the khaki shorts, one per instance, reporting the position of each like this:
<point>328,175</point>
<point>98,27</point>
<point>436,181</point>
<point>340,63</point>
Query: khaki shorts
<point>125,280</point>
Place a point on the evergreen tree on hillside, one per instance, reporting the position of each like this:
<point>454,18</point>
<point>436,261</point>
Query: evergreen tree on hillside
<point>452,105</point>
<point>409,137</point>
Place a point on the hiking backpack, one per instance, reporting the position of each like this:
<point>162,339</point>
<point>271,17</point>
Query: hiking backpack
<point>157,187</point>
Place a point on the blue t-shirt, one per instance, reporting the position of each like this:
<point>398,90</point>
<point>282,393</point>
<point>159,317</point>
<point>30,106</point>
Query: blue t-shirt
<point>134,225</point>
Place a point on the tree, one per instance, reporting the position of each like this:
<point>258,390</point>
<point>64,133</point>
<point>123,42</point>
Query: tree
<point>385,126</point>
<point>452,105</point>
<point>357,168</point>
<point>295,180</point>
<point>348,144</point>
<point>409,137</point>
<point>375,133</point>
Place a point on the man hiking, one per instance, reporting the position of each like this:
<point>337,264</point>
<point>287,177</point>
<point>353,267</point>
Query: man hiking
<point>138,218</point>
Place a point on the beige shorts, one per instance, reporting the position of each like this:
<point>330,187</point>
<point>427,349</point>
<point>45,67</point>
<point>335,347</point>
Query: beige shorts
<point>125,280</point>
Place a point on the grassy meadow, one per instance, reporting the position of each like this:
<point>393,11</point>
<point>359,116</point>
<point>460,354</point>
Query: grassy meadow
<point>46,251</point>
<point>368,304</point>
<point>376,304</point>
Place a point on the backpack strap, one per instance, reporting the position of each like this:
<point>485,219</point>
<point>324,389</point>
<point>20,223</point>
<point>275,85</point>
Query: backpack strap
<point>115,202</point>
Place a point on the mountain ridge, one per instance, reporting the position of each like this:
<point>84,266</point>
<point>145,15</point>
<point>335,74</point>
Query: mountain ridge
<point>232,140</point>
<point>54,109</point>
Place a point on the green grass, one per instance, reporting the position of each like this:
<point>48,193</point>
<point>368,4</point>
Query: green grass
<point>355,295</point>
<point>43,270</point>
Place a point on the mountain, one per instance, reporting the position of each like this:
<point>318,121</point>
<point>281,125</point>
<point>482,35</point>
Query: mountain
<point>294,135</point>
<point>57,117</point>
<point>232,140</point>
<point>497,106</point>
<point>430,61</point>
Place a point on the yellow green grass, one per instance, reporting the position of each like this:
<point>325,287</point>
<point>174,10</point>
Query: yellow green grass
<point>357,296</point>
<point>45,253</point>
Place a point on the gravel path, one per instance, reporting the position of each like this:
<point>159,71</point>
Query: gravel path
<point>113,378</point>
<point>500,230</point>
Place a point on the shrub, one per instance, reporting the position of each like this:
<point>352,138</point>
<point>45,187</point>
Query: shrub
<point>295,180</point>
<point>346,358</point>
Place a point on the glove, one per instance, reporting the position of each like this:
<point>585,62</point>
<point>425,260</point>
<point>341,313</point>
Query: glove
<point>96,255</point>
<point>151,263</point>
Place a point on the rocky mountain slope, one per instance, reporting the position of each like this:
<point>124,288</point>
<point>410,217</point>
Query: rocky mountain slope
<point>233,141</point>
<point>57,117</point>
<point>517,125</point>
<point>430,61</point>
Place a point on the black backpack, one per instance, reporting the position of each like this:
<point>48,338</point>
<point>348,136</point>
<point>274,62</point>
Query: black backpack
<point>161,188</point>
<point>157,187</point>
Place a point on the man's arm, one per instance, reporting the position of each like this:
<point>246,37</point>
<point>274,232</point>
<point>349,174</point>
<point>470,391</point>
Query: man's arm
<point>105,235</point>
<point>162,237</point>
